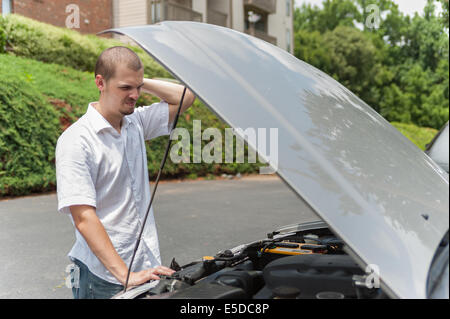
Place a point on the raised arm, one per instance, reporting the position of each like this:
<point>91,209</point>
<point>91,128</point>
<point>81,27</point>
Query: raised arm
<point>171,93</point>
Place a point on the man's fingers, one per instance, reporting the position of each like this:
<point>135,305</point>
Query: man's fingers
<point>164,270</point>
<point>154,277</point>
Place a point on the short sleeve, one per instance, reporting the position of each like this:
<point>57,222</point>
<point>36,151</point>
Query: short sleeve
<point>154,119</point>
<point>73,176</point>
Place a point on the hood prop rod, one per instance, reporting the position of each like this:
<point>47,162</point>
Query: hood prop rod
<point>154,189</point>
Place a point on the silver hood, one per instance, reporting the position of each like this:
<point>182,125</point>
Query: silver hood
<point>376,190</point>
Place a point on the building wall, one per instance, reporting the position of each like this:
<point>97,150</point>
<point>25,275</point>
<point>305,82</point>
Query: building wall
<point>93,18</point>
<point>130,12</point>
<point>221,6</point>
<point>200,6</point>
<point>279,24</point>
<point>238,15</point>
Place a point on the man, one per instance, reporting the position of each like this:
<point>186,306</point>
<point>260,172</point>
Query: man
<point>102,176</point>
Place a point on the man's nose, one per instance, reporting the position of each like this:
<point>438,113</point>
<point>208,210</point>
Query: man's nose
<point>134,94</point>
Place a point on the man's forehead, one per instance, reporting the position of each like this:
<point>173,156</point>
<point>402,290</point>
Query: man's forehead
<point>128,76</point>
<point>124,71</point>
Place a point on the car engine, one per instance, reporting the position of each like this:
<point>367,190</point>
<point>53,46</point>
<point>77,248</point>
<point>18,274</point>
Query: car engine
<point>309,264</point>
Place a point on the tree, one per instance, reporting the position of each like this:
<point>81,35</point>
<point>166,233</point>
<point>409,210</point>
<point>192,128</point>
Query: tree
<point>353,59</point>
<point>400,69</point>
<point>334,13</point>
<point>445,9</point>
<point>311,48</point>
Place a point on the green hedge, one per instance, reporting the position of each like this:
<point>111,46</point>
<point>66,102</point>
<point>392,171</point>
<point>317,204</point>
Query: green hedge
<point>45,99</point>
<point>43,42</point>
<point>2,39</point>
<point>28,131</point>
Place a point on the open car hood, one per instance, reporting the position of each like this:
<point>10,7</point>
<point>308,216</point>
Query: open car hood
<point>376,190</point>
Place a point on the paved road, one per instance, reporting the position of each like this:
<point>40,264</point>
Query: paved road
<point>194,218</point>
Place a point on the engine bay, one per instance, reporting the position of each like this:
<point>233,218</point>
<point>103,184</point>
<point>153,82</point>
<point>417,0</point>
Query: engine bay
<point>305,264</point>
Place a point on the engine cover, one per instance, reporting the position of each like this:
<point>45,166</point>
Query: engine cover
<point>313,276</point>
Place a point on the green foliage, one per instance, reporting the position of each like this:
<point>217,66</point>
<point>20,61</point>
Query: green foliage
<point>311,47</point>
<point>353,58</point>
<point>198,111</point>
<point>333,14</point>
<point>2,36</point>
<point>50,44</point>
<point>420,136</point>
<point>28,131</point>
<point>444,18</point>
<point>400,69</point>
<point>47,99</point>
<point>67,89</point>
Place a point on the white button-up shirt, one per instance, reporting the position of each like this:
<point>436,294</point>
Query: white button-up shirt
<point>97,166</point>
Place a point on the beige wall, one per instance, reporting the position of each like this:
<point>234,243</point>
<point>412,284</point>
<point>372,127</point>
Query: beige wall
<point>200,6</point>
<point>280,22</point>
<point>221,6</point>
<point>238,15</point>
<point>129,12</point>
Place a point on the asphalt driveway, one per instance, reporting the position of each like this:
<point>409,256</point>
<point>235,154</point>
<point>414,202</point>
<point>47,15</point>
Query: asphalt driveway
<point>194,219</point>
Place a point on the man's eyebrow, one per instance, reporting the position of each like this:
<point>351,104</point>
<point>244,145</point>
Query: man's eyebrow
<point>123,85</point>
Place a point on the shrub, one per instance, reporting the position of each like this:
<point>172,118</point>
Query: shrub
<point>28,132</point>
<point>2,37</point>
<point>47,43</point>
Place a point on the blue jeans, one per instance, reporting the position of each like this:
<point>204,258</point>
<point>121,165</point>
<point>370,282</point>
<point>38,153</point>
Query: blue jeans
<point>89,286</point>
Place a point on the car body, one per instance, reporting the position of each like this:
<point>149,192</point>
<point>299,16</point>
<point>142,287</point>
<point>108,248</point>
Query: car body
<point>383,202</point>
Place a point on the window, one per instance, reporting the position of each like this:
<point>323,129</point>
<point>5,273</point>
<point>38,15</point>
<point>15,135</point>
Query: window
<point>156,11</point>
<point>288,8</point>
<point>6,6</point>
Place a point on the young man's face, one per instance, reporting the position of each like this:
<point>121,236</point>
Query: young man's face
<point>121,92</point>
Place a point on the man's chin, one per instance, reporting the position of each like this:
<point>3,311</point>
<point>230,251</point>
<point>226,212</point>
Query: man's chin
<point>127,111</point>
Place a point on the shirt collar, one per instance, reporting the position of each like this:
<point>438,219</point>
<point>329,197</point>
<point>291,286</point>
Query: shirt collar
<point>99,123</point>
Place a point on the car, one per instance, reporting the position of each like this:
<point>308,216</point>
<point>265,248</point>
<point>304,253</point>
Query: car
<point>437,149</point>
<point>383,203</point>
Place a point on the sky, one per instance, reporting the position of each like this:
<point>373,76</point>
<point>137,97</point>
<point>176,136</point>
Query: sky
<point>406,6</point>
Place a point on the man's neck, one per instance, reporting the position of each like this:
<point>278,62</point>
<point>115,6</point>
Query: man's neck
<point>115,121</point>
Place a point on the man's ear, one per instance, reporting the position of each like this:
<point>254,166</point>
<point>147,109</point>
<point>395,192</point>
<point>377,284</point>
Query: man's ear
<point>100,82</point>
